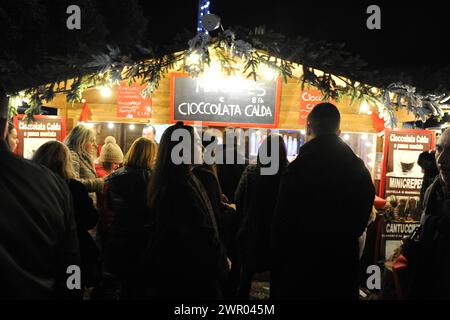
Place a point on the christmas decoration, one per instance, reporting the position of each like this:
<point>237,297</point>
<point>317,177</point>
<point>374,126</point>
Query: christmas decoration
<point>324,66</point>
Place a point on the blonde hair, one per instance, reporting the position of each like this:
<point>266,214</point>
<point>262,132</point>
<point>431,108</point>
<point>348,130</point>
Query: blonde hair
<point>78,138</point>
<point>55,156</point>
<point>142,153</point>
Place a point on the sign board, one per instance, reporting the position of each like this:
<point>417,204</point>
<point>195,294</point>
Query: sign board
<point>401,174</point>
<point>33,134</point>
<point>225,101</point>
<point>130,102</point>
<point>392,234</point>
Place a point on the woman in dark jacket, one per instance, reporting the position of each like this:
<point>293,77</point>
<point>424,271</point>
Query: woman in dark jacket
<point>185,259</point>
<point>123,220</point>
<point>56,156</point>
<point>256,197</point>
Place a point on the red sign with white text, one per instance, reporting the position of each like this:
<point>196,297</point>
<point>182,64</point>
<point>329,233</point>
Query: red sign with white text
<point>308,99</point>
<point>33,134</point>
<point>131,103</point>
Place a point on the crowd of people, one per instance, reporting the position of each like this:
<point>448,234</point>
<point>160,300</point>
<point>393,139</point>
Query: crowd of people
<point>143,226</point>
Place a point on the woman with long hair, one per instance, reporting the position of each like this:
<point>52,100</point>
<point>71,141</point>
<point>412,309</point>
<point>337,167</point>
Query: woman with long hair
<point>186,258</point>
<point>11,137</point>
<point>56,156</point>
<point>256,198</point>
<point>81,143</point>
<point>122,223</point>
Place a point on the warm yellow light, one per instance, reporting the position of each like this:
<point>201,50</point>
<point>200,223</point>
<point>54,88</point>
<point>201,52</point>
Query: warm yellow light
<point>364,107</point>
<point>269,73</point>
<point>110,125</point>
<point>346,137</point>
<point>132,127</point>
<point>89,125</point>
<point>193,58</point>
<point>105,92</point>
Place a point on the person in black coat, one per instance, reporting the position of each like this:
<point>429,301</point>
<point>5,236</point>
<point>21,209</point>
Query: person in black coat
<point>185,258</point>
<point>37,227</point>
<point>256,197</point>
<point>430,262</point>
<point>56,156</point>
<point>126,200</point>
<point>324,203</point>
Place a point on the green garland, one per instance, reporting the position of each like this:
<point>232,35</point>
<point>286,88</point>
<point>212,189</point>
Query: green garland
<point>255,47</point>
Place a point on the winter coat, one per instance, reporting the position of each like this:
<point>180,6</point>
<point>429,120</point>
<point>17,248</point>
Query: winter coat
<point>256,197</point>
<point>324,203</point>
<point>126,198</point>
<point>86,218</point>
<point>37,230</point>
<point>431,275</point>
<point>83,168</point>
<point>225,218</point>
<point>229,174</point>
<point>186,259</point>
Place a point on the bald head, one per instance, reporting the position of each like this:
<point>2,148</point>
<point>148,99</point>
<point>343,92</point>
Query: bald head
<point>443,156</point>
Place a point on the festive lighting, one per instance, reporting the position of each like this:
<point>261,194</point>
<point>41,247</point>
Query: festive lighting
<point>303,132</point>
<point>364,107</point>
<point>346,137</point>
<point>89,125</point>
<point>110,125</point>
<point>193,59</point>
<point>132,127</point>
<point>203,8</point>
<point>268,72</point>
<point>368,144</point>
<point>83,100</point>
<point>105,92</point>
<point>364,137</point>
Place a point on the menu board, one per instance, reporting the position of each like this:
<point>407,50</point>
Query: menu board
<point>130,102</point>
<point>392,234</point>
<point>33,134</point>
<point>225,101</point>
<point>402,176</point>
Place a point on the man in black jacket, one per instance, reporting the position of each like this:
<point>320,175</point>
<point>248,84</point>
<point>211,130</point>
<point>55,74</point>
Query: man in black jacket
<point>324,203</point>
<point>37,228</point>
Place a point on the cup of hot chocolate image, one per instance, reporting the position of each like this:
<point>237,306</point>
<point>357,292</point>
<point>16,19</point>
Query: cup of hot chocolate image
<point>405,162</point>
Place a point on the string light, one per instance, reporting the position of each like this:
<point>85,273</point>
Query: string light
<point>203,9</point>
<point>132,127</point>
<point>346,137</point>
<point>110,125</point>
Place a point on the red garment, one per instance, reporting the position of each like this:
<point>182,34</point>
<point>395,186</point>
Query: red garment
<point>101,172</point>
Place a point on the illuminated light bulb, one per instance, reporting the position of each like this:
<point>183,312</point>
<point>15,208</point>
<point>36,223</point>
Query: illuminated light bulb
<point>346,137</point>
<point>105,92</point>
<point>193,58</point>
<point>364,107</point>
<point>83,100</point>
<point>132,127</point>
<point>89,125</point>
<point>110,125</point>
<point>268,73</point>
<point>364,137</point>
<point>303,132</point>
<point>368,144</point>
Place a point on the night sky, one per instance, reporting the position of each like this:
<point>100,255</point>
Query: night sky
<point>413,34</point>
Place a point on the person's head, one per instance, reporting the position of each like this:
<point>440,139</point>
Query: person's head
<point>322,120</point>
<point>55,156</point>
<point>3,113</point>
<point>11,137</point>
<point>180,147</point>
<point>272,155</point>
<point>142,153</point>
<point>111,156</point>
<point>443,156</point>
<point>149,132</point>
<point>81,140</point>
<point>427,161</point>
